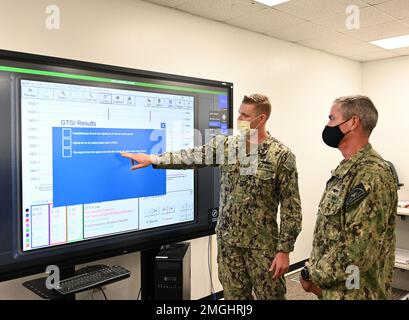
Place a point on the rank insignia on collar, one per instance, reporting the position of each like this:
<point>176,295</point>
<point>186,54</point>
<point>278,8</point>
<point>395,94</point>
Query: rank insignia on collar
<point>356,195</point>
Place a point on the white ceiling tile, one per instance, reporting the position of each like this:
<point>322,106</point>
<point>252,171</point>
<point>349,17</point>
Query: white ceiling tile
<point>168,3</point>
<point>401,51</point>
<point>318,24</point>
<point>362,47</point>
<point>298,32</point>
<point>220,10</point>
<point>372,56</point>
<point>368,17</point>
<point>372,2</point>
<point>315,9</point>
<point>328,40</point>
<point>265,20</point>
<point>379,31</point>
<point>396,8</point>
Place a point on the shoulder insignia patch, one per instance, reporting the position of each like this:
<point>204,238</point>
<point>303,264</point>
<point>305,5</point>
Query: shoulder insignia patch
<point>356,195</point>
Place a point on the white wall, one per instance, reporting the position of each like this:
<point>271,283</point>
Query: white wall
<point>301,83</point>
<point>386,82</point>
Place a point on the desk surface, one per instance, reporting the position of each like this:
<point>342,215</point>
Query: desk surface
<point>403,211</point>
<point>401,266</point>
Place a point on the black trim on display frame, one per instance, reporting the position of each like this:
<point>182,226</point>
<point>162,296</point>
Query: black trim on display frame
<point>123,245</point>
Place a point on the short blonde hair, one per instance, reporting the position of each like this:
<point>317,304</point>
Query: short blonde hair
<point>260,101</point>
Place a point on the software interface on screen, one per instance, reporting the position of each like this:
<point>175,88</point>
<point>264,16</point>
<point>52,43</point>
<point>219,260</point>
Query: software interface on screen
<point>75,184</point>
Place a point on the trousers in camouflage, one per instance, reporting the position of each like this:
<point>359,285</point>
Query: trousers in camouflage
<point>244,271</point>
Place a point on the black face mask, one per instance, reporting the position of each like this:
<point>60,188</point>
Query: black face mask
<point>332,136</point>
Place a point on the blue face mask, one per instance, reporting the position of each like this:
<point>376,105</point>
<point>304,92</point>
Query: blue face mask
<point>333,136</point>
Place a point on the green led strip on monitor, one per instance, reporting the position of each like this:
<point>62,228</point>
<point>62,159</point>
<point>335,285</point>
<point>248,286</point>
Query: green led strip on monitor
<point>106,80</point>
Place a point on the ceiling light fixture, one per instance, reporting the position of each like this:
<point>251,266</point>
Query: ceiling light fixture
<point>271,3</point>
<point>393,43</point>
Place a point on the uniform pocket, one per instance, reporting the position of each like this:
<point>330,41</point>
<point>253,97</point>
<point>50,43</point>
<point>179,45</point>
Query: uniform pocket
<point>331,203</point>
<point>264,182</point>
<point>330,215</point>
<point>264,174</point>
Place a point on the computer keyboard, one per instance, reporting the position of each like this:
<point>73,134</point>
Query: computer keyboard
<point>92,279</point>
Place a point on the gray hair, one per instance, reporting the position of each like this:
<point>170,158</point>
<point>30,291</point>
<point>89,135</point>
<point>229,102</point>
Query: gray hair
<point>360,106</point>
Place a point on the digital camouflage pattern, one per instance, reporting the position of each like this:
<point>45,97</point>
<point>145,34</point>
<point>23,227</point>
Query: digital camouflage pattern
<point>249,198</point>
<point>356,227</point>
<point>247,231</point>
<point>242,270</point>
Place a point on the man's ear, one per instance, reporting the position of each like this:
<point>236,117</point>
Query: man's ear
<point>264,118</point>
<point>356,121</point>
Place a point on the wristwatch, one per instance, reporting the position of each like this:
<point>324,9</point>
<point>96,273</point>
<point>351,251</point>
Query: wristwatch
<point>305,274</point>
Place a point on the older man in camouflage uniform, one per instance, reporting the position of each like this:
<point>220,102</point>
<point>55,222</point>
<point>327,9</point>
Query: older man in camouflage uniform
<point>250,244</point>
<point>354,240</point>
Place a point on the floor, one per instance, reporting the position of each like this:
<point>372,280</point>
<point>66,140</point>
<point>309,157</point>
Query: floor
<point>294,289</point>
<point>296,292</point>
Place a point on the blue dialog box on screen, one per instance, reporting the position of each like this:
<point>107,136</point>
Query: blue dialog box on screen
<point>88,167</point>
<point>222,101</point>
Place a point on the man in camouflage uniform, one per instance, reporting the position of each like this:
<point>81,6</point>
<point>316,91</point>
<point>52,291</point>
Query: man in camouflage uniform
<point>354,239</point>
<point>249,241</point>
